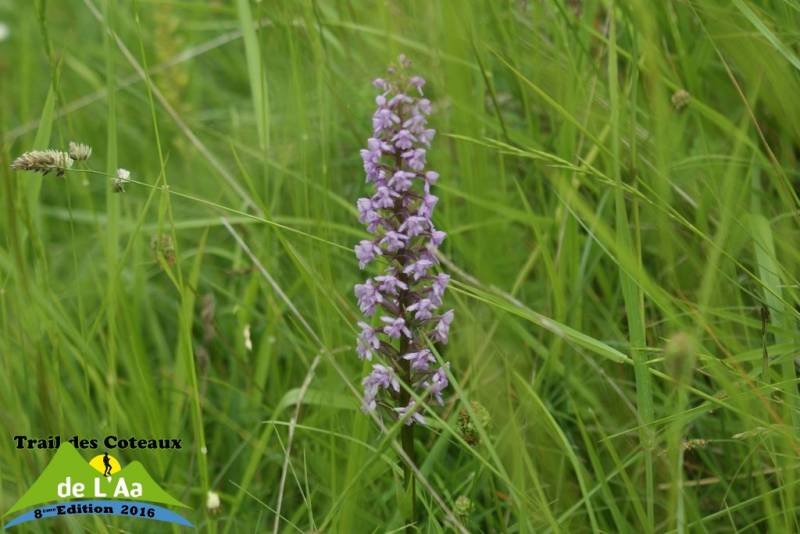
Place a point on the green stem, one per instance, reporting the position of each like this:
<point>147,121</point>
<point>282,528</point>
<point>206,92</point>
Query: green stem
<point>407,442</point>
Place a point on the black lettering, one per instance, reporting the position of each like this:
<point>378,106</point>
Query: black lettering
<point>20,441</point>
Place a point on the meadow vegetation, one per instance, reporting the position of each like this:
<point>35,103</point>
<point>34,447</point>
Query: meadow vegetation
<point>619,184</point>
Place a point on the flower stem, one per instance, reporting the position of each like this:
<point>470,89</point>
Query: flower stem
<point>407,442</point>
<point>407,432</point>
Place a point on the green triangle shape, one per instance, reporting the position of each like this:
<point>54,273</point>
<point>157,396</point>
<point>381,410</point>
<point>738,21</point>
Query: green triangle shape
<point>67,462</point>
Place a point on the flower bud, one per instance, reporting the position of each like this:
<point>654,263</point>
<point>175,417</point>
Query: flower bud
<point>469,427</point>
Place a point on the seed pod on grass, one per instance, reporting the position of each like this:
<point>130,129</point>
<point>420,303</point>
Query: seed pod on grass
<point>469,427</point>
<point>463,506</point>
<point>163,248</point>
<point>43,161</point>
<point>680,99</point>
<point>79,151</point>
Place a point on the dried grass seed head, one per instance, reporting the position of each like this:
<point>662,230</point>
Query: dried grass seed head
<point>79,151</point>
<point>43,161</point>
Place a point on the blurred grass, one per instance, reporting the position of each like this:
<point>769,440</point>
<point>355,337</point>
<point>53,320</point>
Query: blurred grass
<point>590,220</point>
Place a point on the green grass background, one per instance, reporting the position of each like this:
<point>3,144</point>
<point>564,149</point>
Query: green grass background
<point>625,272</point>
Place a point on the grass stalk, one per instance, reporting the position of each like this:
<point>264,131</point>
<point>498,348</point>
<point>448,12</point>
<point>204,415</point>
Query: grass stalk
<point>631,292</point>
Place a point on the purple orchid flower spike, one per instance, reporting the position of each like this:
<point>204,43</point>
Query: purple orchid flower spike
<point>398,214</point>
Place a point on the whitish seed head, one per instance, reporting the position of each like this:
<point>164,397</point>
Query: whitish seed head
<point>123,177</point>
<point>43,161</point>
<point>79,151</point>
<point>212,501</point>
